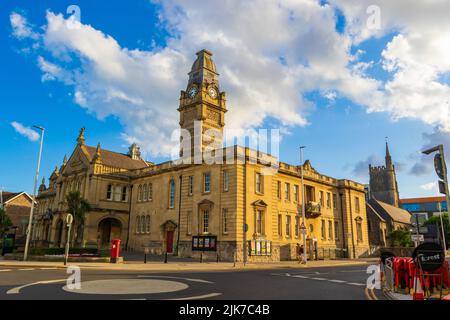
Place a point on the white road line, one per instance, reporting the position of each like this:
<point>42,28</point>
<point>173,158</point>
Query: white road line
<point>27,269</point>
<point>5,270</point>
<point>48,268</point>
<point>198,297</point>
<point>16,290</point>
<point>298,276</point>
<point>356,284</point>
<point>320,279</point>
<point>167,277</point>
<point>353,271</point>
<point>338,281</point>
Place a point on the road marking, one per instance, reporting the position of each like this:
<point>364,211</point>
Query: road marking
<point>338,281</point>
<point>210,295</point>
<point>298,276</point>
<point>320,279</point>
<point>16,290</point>
<point>167,277</point>
<point>27,269</point>
<point>373,294</point>
<point>48,268</point>
<point>356,284</point>
<point>366,292</point>
<point>5,270</point>
<point>353,271</point>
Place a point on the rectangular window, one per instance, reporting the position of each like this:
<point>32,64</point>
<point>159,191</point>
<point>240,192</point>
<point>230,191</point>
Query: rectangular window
<point>357,204</point>
<point>328,200</point>
<point>297,225</point>
<point>336,230</point>
<point>334,201</point>
<point>279,189</point>
<point>258,183</point>
<point>117,193</point>
<point>330,230</point>
<point>109,192</point>
<point>225,180</point>
<point>225,220</point>
<point>207,182</point>
<point>189,222</point>
<point>205,221</point>
<point>172,194</point>
<point>191,185</point>
<point>288,226</point>
<point>359,234</point>
<point>296,198</point>
<point>259,222</point>
<point>323,231</point>
<point>145,193</point>
<point>280,225</point>
<point>124,193</point>
<point>321,199</point>
<point>287,191</point>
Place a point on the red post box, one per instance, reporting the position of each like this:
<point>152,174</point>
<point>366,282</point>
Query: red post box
<point>115,250</point>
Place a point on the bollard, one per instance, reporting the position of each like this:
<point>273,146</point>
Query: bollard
<point>201,257</point>
<point>165,257</point>
<point>145,258</point>
<point>217,258</point>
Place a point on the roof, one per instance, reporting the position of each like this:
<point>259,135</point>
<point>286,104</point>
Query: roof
<point>372,209</point>
<point>397,214</point>
<point>116,159</point>
<point>8,196</point>
<point>422,200</point>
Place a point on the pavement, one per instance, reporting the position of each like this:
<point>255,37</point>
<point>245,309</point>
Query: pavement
<point>296,283</point>
<point>176,264</point>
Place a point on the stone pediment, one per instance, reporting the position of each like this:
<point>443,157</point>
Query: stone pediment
<point>259,203</point>
<point>77,162</point>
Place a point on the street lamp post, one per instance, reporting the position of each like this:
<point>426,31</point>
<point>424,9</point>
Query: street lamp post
<point>443,173</point>
<point>30,221</point>
<point>303,205</point>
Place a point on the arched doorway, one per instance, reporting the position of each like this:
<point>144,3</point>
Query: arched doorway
<point>58,233</point>
<point>108,229</point>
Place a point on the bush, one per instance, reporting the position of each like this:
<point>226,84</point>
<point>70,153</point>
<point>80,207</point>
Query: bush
<point>59,251</point>
<point>400,238</point>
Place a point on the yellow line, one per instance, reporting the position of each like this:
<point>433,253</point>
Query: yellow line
<point>373,295</point>
<point>366,291</point>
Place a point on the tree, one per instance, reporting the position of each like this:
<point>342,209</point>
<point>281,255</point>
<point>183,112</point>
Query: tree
<point>5,222</point>
<point>399,238</point>
<point>77,206</point>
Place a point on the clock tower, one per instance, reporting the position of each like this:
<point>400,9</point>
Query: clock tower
<point>202,109</point>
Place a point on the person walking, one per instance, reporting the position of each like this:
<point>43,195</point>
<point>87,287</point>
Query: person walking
<point>300,253</point>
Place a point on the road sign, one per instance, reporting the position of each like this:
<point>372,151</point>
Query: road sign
<point>417,237</point>
<point>429,256</point>
<point>69,219</point>
<point>438,166</point>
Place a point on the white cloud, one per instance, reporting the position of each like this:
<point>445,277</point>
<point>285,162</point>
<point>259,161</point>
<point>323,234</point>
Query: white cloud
<point>21,28</point>
<point>25,131</point>
<point>268,61</point>
<point>430,186</point>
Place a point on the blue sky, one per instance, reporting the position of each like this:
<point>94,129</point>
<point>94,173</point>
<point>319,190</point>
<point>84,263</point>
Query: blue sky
<point>329,113</point>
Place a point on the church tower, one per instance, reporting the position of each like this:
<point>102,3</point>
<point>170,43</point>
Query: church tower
<point>383,181</point>
<point>202,108</point>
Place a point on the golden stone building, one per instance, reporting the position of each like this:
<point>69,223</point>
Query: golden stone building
<point>244,205</point>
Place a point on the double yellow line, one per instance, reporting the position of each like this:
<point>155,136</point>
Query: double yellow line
<point>370,295</point>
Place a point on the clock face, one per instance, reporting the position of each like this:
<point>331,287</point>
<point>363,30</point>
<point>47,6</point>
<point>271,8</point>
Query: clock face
<point>192,92</point>
<point>212,92</point>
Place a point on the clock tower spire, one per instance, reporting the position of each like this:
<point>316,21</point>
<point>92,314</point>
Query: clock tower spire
<point>202,109</point>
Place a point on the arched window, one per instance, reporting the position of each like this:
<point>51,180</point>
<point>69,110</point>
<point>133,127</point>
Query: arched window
<point>139,193</point>
<point>138,224</point>
<point>145,192</point>
<point>147,224</point>
<point>172,193</point>
<point>143,224</point>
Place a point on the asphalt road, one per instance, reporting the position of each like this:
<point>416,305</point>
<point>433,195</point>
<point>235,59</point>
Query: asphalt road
<point>342,283</point>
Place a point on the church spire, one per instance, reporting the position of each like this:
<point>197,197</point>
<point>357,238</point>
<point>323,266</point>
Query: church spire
<point>388,155</point>
<point>97,155</point>
<point>80,139</point>
<point>203,70</point>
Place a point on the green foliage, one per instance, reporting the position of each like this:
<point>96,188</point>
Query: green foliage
<point>437,220</point>
<point>5,222</point>
<point>77,206</point>
<point>400,238</point>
